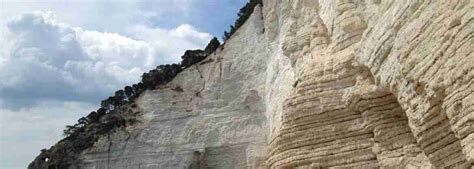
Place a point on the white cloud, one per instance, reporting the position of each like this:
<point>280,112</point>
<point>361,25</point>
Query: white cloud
<point>183,37</point>
<point>188,32</point>
<point>52,60</point>
<point>23,133</point>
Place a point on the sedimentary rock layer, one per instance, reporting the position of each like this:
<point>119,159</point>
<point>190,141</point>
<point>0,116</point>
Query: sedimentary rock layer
<point>383,91</point>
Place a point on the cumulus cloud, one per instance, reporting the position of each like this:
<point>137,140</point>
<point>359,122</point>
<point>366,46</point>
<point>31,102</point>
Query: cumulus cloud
<point>49,60</point>
<point>184,35</point>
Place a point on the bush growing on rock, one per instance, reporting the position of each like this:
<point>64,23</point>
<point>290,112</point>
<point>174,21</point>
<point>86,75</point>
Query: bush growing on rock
<point>243,15</point>
<point>212,46</point>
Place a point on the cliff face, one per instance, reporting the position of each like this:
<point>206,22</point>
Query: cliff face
<point>383,84</point>
<point>306,83</point>
<point>212,114</point>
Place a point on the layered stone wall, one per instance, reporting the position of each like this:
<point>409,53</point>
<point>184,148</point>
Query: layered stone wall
<point>383,84</point>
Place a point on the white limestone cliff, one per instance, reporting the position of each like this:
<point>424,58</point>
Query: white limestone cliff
<point>316,84</point>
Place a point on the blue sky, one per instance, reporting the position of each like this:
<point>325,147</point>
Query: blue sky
<point>59,58</point>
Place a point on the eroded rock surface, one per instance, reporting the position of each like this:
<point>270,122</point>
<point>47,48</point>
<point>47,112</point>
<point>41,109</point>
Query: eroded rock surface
<point>316,84</point>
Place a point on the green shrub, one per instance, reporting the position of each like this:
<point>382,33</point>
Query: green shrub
<point>243,15</point>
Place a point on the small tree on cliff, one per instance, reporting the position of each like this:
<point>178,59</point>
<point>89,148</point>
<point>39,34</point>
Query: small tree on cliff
<point>128,92</point>
<point>243,15</point>
<point>212,46</point>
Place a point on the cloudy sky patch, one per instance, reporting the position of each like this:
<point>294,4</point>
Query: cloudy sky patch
<point>52,60</point>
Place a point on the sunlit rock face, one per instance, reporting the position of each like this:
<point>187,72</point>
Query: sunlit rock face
<point>316,84</point>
